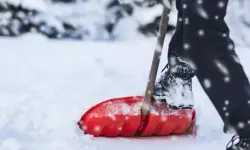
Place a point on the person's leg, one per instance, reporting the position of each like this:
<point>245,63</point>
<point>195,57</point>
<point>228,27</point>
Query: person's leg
<point>175,85</point>
<point>210,50</point>
<point>227,86</point>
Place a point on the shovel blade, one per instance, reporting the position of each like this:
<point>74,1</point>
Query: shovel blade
<point>122,117</point>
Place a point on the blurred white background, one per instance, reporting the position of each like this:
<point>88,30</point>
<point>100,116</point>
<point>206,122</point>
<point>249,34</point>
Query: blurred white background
<point>102,19</point>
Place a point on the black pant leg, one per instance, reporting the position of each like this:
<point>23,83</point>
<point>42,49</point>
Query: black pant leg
<point>210,51</point>
<point>175,45</point>
<point>228,89</point>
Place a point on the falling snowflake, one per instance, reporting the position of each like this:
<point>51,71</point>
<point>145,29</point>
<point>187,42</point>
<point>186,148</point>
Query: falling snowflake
<point>230,46</point>
<point>248,121</point>
<point>199,2</point>
<point>202,12</point>
<point>241,125</point>
<point>224,108</point>
<point>180,19</point>
<point>222,67</point>
<point>216,17</point>
<point>191,64</point>
<point>172,60</point>
<point>224,35</point>
<point>207,83</point>
<point>120,128</point>
<point>158,47</point>
<point>236,59</point>
<point>227,79</point>
<point>84,127</point>
<point>221,4</point>
<point>97,128</point>
<point>164,118</point>
<point>226,114</point>
<point>186,46</point>
<point>201,32</point>
<point>149,91</point>
<point>226,102</point>
<point>184,6</point>
<point>248,101</point>
<point>127,118</point>
<point>186,21</point>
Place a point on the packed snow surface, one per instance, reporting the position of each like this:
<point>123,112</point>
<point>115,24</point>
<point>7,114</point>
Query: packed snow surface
<point>45,87</point>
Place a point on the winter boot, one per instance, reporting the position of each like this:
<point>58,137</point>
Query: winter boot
<point>238,143</point>
<point>175,84</point>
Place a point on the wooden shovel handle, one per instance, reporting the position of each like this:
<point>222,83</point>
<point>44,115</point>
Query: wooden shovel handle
<point>157,55</point>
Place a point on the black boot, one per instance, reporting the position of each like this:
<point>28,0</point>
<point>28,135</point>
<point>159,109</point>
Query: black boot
<point>175,84</point>
<point>238,143</point>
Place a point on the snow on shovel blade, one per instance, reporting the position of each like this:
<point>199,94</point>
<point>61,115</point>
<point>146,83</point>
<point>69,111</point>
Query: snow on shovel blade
<point>122,117</point>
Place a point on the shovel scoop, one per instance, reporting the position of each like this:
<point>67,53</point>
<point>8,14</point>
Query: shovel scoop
<point>122,117</point>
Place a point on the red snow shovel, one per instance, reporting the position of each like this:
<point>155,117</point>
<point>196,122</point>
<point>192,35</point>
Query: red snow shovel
<point>139,115</point>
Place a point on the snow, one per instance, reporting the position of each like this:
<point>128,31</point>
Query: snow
<point>239,21</point>
<point>37,4</point>
<point>92,22</point>
<point>47,85</point>
<point>11,144</point>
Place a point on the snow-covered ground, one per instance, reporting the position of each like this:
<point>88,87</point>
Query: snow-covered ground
<point>45,87</point>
